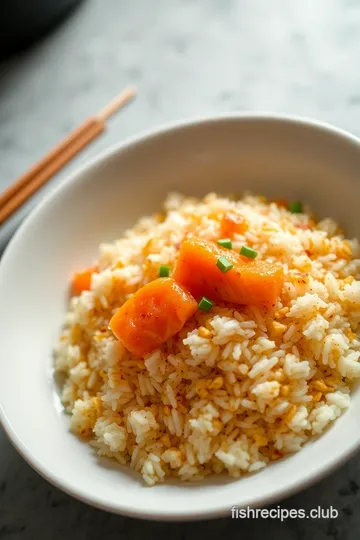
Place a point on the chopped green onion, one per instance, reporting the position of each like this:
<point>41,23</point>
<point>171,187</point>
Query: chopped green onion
<point>296,207</point>
<point>248,252</point>
<point>164,270</point>
<point>223,264</point>
<point>225,243</point>
<point>205,304</point>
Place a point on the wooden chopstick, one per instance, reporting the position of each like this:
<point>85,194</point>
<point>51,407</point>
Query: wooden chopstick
<point>13,197</point>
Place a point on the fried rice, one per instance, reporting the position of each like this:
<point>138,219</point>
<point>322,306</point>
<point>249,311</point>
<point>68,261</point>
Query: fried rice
<point>237,388</point>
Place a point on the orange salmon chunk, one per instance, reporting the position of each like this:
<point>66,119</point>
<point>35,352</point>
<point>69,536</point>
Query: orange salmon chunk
<point>155,313</point>
<point>249,282</point>
<point>81,281</point>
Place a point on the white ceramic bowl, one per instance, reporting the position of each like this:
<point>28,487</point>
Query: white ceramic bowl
<point>282,157</point>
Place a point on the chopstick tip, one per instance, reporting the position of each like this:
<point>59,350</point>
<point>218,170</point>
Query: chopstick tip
<point>118,102</point>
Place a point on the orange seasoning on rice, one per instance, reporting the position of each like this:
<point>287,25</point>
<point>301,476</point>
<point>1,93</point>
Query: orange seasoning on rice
<point>232,223</point>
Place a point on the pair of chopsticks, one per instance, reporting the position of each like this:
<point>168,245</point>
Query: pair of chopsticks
<point>12,198</point>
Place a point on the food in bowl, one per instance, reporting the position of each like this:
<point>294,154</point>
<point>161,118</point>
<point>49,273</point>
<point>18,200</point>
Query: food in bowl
<point>219,336</point>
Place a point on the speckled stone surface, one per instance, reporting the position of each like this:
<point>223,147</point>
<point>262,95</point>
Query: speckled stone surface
<point>189,58</point>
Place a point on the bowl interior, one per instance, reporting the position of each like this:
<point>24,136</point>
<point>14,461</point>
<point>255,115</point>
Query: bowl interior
<point>280,158</point>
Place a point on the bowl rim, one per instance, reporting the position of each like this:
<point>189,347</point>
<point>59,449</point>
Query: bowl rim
<point>163,130</point>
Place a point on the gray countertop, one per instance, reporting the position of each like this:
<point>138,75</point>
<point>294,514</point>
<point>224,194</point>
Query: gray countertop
<point>188,58</point>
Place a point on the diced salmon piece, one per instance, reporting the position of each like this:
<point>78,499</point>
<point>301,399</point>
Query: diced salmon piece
<point>232,223</point>
<point>282,203</point>
<point>81,281</point>
<point>155,313</point>
<point>249,282</point>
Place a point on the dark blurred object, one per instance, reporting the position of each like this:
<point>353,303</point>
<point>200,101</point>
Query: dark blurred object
<point>24,21</point>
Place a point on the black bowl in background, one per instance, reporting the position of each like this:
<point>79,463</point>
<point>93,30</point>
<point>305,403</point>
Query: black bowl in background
<point>24,21</point>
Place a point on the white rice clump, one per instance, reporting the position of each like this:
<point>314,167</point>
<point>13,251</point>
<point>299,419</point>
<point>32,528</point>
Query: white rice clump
<point>238,387</point>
